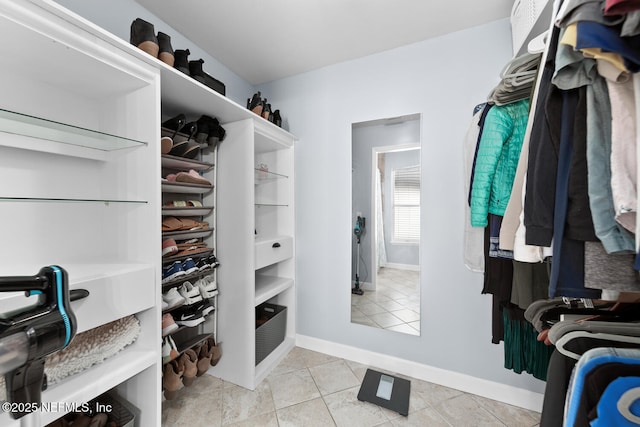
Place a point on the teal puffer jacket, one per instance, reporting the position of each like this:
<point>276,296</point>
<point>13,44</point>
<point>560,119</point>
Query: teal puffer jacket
<point>497,160</point>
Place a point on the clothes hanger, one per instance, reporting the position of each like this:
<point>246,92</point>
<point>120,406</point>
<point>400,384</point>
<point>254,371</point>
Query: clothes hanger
<point>564,344</point>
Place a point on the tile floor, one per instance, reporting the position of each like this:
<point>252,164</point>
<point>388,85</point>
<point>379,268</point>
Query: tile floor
<point>313,389</point>
<point>394,305</point>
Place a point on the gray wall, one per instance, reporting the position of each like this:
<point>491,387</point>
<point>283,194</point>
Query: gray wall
<point>442,78</point>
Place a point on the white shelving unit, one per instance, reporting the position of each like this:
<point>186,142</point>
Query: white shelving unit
<point>79,125</point>
<point>257,264</point>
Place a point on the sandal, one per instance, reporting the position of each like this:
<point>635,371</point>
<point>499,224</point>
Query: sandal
<point>192,177</point>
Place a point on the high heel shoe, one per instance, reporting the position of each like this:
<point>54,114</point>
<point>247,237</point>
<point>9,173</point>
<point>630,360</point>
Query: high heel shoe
<point>175,123</point>
<point>182,60</point>
<point>256,104</point>
<point>165,52</point>
<point>143,36</point>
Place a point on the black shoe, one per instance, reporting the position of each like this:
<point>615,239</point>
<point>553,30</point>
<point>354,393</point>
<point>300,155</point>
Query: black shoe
<point>144,37</point>
<point>195,70</point>
<point>175,123</point>
<point>266,109</point>
<point>182,60</point>
<point>277,119</point>
<point>190,129</point>
<point>165,53</point>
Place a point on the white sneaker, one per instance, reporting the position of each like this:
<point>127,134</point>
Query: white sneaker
<point>173,298</point>
<point>190,293</point>
<point>208,287</point>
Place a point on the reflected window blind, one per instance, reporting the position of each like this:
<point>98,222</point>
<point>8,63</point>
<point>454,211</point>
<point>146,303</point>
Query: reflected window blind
<point>406,204</point>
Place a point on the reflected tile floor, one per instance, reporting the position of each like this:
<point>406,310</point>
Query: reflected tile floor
<point>394,305</point>
<point>313,389</point>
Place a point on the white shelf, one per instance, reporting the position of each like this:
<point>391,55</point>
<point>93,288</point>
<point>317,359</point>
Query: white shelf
<point>24,124</point>
<point>185,188</point>
<point>181,163</point>
<point>269,286</point>
<point>99,378</point>
<point>187,211</point>
<point>271,361</point>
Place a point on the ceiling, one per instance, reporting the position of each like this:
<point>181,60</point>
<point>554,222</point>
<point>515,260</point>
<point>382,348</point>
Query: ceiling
<point>264,40</point>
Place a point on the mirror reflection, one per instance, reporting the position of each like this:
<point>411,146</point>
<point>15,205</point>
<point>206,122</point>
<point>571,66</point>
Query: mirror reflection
<point>385,281</point>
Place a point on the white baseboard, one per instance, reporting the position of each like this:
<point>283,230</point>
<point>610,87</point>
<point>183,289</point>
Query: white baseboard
<point>402,266</point>
<point>492,390</point>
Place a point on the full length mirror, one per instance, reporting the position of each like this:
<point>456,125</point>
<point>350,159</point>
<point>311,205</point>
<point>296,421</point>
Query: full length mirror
<point>385,218</point>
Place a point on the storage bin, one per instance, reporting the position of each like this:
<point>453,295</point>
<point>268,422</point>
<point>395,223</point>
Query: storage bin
<point>122,412</point>
<point>271,327</point>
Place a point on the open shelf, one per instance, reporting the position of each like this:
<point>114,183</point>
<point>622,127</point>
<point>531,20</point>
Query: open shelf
<point>23,124</point>
<point>100,378</point>
<point>176,162</point>
<point>269,286</point>
<point>187,211</point>
<point>187,234</point>
<point>67,200</point>
<point>262,176</point>
<point>185,188</point>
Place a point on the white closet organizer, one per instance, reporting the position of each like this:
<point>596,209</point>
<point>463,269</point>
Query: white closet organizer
<point>258,239</point>
<point>78,142</point>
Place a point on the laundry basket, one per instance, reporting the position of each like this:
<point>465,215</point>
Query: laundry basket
<point>271,333</point>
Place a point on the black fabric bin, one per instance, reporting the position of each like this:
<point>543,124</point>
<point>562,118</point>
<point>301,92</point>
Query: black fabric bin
<point>271,327</point>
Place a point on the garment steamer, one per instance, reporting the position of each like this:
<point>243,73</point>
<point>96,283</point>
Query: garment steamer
<point>358,231</point>
<point>30,334</point>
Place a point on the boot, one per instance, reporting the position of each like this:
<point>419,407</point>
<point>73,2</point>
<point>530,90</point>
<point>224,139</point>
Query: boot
<point>204,359</point>
<point>195,70</point>
<point>143,36</point>
<point>189,359</point>
<point>182,60</point>
<point>165,52</point>
<point>171,379</point>
<point>214,351</point>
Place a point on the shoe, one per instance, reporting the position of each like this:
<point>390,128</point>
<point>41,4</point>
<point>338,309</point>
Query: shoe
<point>175,123</point>
<point>192,177</point>
<point>255,104</point>
<point>202,264</point>
<point>165,305</point>
<point>188,316</point>
<point>277,119</point>
<point>215,352</point>
<point>190,293</point>
<point>182,60</point>
<point>266,109</point>
<point>173,298</point>
<point>190,129</point>
<point>172,272</point>
<point>208,287</point>
<point>189,360</point>
<point>143,36</point>
<point>169,247</point>
<point>204,359</point>
<point>166,144</point>
<point>189,266</point>
<point>171,379</point>
<point>168,325</point>
<point>213,261</point>
<point>165,51</point>
<point>169,350</point>
<point>193,148</point>
<point>195,70</point>
<point>204,307</point>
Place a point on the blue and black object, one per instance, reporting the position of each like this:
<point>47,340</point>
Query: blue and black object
<point>30,334</point>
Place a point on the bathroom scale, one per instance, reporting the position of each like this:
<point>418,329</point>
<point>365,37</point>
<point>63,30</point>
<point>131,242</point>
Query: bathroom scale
<point>386,390</point>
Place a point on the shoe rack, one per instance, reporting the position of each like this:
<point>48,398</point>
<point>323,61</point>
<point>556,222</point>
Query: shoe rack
<point>79,126</point>
<point>189,337</point>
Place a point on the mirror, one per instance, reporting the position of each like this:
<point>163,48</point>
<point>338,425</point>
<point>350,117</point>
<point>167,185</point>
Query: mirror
<point>385,218</point>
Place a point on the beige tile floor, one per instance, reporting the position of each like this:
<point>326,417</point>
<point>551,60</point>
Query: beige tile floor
<point>394,305</point>
<point>313,389</point>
